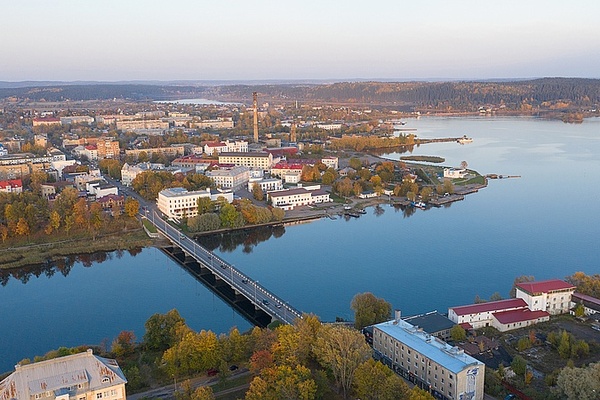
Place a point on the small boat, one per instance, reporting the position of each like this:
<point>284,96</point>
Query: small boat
<point>362,211</point>
<point>419,204</point>
<point>464,140</point>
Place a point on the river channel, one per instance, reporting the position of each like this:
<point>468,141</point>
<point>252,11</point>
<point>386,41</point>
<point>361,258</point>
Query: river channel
<point>545,224</point>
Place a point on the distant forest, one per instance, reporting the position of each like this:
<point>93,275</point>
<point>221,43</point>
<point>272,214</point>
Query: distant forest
<point>546,93</point>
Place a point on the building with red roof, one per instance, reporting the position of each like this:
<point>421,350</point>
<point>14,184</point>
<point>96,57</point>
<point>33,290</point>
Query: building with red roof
<point>11,186</point>
<point>481,314</point>
<point>515,319</point>
<point>553,296</point>
<point>591,305</point>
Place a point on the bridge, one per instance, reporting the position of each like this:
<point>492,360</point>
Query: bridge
<point>201,262</point>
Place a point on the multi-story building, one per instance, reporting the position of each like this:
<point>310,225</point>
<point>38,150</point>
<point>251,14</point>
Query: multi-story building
<point>266,185</point>
<point>433,323</point>
<point>258,160</point>
<point>76,119</point>
<point>90,152</point>
<point>231,177</point>
<point>591,305</point>
<point>46,121</point>
<point>213,148</point>
<point>288,199</point>
<point>283,168</point>
<point>108,148</point>
<point>142,124</point>
<point>171,151</point>
<point>553,296</point>
<point>430,363</point>
<point>219,123</point>
<point>82,376</point>
<point>129,172</point>
<point>330,162</point>
<point>179,203</point>
<point>11,186</point>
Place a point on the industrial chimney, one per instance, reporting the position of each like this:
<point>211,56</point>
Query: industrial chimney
<point>255,103</point>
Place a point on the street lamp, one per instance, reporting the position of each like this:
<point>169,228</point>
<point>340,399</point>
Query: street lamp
<point>255,286</point>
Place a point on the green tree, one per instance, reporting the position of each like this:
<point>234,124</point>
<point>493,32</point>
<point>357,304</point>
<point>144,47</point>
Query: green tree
<point>369,310</point>
<point>205,205</point>
<point>458,333</point>
<point>341,350</point>
<point>278,213</point>
<point>579,383</point>
<point>355,163</point>
<point>161,330</point>
<point>579,310</point>
<point>203,393</point>
<point>519,365</point>
<point>204,223</point>
<point>230,217</point>
<point>426,193</point>
<point>124,344</point>
<point>375,381</point>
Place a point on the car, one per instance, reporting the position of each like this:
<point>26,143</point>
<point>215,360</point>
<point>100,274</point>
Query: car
<point>223,266</point>
<point>244,280</point>
<point>510,397</point>
<point>265,302</point>
<point>278,305</point>
<point>212,372</point>
<point>233,367</point>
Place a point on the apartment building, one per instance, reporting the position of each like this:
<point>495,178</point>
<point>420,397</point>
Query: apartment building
<point>230,177</point>
<point>179,203</point>
<point>552,296</point>
<point>428,362</point>
<point>260,160</point>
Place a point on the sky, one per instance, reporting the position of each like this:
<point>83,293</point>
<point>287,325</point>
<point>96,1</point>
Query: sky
<point>116,40</point>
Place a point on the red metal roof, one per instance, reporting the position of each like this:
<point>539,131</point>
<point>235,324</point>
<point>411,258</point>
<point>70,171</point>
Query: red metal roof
<point>13,183</point>
<point>584,297</point>
<point>510,317</point>
<point>499,305</point>
<point>544,286</point>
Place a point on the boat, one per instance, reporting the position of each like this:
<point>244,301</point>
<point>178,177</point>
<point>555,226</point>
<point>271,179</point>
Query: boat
<point>465,139</point>
<point>419,204</point>
<point>362,211</point>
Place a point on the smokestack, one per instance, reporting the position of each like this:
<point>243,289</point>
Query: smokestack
<point>255,103</point>
<point>397,315</point>
<point>293,133</point>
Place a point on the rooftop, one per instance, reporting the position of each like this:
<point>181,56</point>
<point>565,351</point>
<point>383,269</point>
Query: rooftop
<point>452,358</point>
<point>431,322</point>
<point>545,286</point>
<point>490,306</point>
<point>512,316</point>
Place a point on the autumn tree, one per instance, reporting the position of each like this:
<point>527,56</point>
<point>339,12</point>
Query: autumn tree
<point>161,330</point>
<point>22,228</point>
<point>205,205</point>
<point>260,360</point>
<point>257,192</point>
<point>375,381</point>
<point>124,344</point>
<point>342,350</point>
<point>283,382</point>
<point>369,310</point>
<point>278,213</point>
<point>458,333</point>
<point>131,207</point>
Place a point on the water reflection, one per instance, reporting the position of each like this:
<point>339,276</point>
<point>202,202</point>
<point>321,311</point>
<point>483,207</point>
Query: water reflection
<point>63,265</point>
<point>248,238</point>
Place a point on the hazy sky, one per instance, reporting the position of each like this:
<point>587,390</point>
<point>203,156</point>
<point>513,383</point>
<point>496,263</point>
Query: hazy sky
<point>109,40</point>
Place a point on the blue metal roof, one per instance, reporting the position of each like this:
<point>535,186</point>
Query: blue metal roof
<point>449,357</point>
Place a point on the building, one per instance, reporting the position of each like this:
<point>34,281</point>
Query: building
<point>454,173</point>
<point>428,362</point>
<point>477,316</point>
<point>591,305</point>
<point>292,177</point>
<point>178,203</point>
<point>283,168</point>
<point>192,161</point>
<point>433,323</point>
<point>219,123</point>
<point>213,148</point>
<point>108,148</point>
<point>230,177</point>
<point>553,296</point>
<point>330,162</point>
<point>266,185</point>
<point>76,119</point>
<point>46,121</point>
<point>258,160</point>
<point>90,152</point>
<point>112,203</point>
<point>3,151</point>
<point>330,127</point>
<point>142,124</point>
<point>515,319</point>
<point>129,172</point>
<point>172,151</point>
<point>288,199</point>
<point>82,376</point>
<point>11,186</point>
<point>101,189</point>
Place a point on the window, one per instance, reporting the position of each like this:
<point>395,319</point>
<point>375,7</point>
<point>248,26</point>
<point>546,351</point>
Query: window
<point>98,395</point>
<point>105,379</point>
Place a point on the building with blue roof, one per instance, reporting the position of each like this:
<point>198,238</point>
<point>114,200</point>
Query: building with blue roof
<point>432,364</point>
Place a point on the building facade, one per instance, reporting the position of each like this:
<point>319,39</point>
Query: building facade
<point>11,186</point>
<point>480,315</point>
<point>428,362</point>
<point>266,185</point>
<point>82,376</point>
<point>230,178</point>
<point>289,199</point>
<point>553,296</point>
<point>178,203</point>
<point>258,160</point>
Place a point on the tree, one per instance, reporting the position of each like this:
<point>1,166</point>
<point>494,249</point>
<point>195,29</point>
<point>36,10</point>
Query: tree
<point>355,163</point>
<point>132,207</point>
<point>80,213</point>
<point>278,213</point>
<point>230,218</point>
<point>495,296</point>
<point>205,205</point>
<point>22,228</point>
<point>260,360</point>
<point>257,192</point>
<point>283,382</point>
<point>426,193</point>
<point>369,310</point>
<point>375,381</point>
<point>579,383</point>
<point>519,365</point>
<point>161,330</point>
<point>341,350</point>
<point>203,393</point>
<point>124,344</point>
<point>458,333</point>
<point>579,310</point>
<point>463,165</point>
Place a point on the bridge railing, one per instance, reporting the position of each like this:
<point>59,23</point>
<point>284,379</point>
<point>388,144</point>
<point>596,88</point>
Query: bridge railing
<point>251,289</point>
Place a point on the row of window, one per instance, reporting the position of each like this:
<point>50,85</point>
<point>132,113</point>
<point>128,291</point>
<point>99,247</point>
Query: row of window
<point>106,394</point>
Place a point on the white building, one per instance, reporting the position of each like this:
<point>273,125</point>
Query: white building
<point>129,172</point>
<point>330,127</point>
<point>553,296</point>
<point>76,119</point>
<point>591,305</point>
<point>480,315</point>
<point>179,203</point>
<point>101,189</point>
<point>428,362</point>
<point>330,162</point>
<point>288,199</point>
<point>215,148</point>
<point>230,178</point>
<point>266,185</point>
<point>454,173</point>
<point>82,376</point>
<point>90,152</point>
<point>260,160</point>
<point>292,177</point>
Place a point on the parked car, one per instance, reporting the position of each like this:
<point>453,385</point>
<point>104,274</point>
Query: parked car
<point>233,367</point>
<point>212,372</point>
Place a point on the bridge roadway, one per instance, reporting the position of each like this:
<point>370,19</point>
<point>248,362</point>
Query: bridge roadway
<point>251,289</point>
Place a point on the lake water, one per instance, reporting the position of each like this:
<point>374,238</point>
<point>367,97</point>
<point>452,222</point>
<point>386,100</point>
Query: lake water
<point>545,224</point>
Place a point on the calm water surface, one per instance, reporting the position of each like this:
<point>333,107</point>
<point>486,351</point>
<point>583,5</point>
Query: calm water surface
<point>546,224</point>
